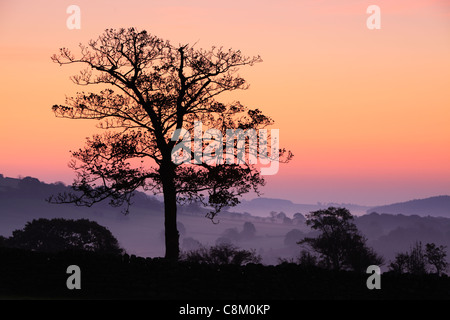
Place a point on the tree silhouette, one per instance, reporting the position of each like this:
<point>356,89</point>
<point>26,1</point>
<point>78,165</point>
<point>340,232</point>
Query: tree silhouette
<point>163,89</point>
<point>59,234</point>
<point>417,259</point>
<point>413,262</point>
<point>400,263</point>
<point>248,230</point>
<point>436,257</point>
<point>417,263</point>
<point>339,244</point>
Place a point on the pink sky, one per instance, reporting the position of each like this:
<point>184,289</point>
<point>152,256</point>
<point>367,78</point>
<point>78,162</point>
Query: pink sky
<point>366,112</point>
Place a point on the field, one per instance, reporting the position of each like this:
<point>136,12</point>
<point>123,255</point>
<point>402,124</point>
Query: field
<point>143,235</point>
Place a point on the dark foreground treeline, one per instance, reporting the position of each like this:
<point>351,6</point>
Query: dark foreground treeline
<point>32,275</point>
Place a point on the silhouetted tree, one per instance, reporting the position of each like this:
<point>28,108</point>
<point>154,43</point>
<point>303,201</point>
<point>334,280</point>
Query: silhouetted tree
<point>435,256</point>
<point>281,216</point>
<point>340,245</point>
<point>163,89</point>
<point>307,260</point>
<point>400,263</point>
<point>417,263</point>
<point>299,218</point>
<point>273,215</point>
<point>359,257</point>
<point>60,234</point>
<point>413,262</point>
<point>248,230</point>
<point>287,220</point>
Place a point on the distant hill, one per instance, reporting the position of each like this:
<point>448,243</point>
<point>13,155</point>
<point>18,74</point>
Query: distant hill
<point>435,206</point>
<point>390,234</point>
<point>32,193</point>
<point>263,206</point>
<point>27,197</point>
<point>22,200</point>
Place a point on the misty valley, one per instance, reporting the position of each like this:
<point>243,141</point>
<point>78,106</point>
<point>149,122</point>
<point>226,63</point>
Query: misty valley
<point>264,254</point>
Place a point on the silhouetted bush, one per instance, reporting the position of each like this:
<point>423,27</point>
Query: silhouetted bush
<point>222,254</point>
<point>59,234</point>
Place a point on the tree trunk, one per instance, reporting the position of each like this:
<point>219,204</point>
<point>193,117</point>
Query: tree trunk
<point>170,214</point>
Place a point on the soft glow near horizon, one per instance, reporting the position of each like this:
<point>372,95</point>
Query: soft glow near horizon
<point>365,112</point>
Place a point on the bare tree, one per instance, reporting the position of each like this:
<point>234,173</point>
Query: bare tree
<point>162,89</point>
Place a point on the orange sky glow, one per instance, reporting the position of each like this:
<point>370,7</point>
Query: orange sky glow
<point>365,112</point>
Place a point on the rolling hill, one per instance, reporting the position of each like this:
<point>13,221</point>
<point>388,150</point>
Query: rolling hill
<point>438,206</point>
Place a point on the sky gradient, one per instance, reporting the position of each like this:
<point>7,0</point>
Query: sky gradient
<point>365,112</point>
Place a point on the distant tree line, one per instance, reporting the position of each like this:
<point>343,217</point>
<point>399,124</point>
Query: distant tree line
<point>232,235</point>
<point>419,260</point>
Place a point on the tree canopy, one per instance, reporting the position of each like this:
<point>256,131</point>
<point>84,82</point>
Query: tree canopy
<point>59,234</point>
<point>339,244</point>
<point>155,94</point>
